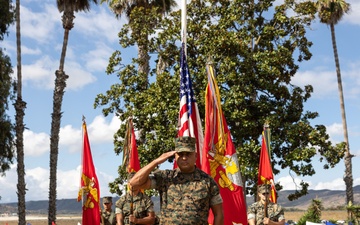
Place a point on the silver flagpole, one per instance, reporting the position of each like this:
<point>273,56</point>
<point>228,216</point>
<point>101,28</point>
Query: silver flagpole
<point>183,24</point>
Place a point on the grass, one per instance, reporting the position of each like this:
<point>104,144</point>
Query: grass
<point>325,215</point>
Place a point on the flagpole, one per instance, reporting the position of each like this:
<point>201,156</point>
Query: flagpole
<point>183,25</point>
<point>82,159</point>
<point>267,136</point>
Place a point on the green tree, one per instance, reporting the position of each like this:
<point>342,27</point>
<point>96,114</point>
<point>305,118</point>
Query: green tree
<point>6,92</point>
<point>255,49</point>
<point>141,35</point>
<point>138,14</point>
<point>313,214</point>
<point>68,8</point>
<point>6,17</point>
<point>6,127</point>
<point>330,13</point>
<point>354,213</point>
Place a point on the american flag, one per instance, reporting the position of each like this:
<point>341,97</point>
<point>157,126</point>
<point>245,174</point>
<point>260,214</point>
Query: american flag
<point>189,118</point>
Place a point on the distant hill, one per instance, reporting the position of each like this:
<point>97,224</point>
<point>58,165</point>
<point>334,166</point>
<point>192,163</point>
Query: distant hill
<point>331,199</point>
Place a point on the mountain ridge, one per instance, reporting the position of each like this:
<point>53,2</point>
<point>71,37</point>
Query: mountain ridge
<point>331,199</point>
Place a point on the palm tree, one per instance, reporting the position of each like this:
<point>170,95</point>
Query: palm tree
<point>330,13</point>
<point>120,7</point>
<point>20,106</point>
<point>126,7</point>
<point>68,8</point>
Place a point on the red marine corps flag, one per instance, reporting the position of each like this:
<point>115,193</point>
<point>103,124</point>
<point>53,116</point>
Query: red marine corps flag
<point>131,155</point>
<point>266,175</point>
<point>89,191</point>
<point>220,158</point>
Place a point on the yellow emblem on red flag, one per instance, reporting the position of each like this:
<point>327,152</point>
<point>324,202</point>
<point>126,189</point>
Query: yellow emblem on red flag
<point>89,191</point>
<point>220,158</point>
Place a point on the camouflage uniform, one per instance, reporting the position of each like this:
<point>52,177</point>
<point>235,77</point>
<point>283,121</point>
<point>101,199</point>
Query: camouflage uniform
<point>109,217</point>
<point>256,210</point>
<point>185,198</point>
<point>142,205</point>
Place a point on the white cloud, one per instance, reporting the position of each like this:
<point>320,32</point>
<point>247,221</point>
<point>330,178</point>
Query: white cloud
<point>290,183</point>
<point>293,183</point>
<point>335,130</point>
<point>37,183</point>
<point>353,79</point>
<point>98,59</point>
<point>354,15</point>
<point>39,26</point>
<point>323,82</point>
<point>335,184</point>
<point>78,76</point>
<point>35,144</point>
<point>101,23</point>
<point>68,183</point>
<point>9,48</point>
<point>100,131</point>
<point>29,51</point>
<point>41,73</point>
<point>8,185</point>
<point>70,138</point>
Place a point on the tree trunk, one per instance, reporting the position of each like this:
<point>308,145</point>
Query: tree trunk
<point>143,55</point>
<point>143,70</point>
<point>348,178</point>
<point>144,67</point>
<point>20,106</point>
<point>60,84</point>
<point>21,187</point>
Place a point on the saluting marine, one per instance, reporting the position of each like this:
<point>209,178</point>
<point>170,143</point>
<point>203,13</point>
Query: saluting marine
<point>186,193</point>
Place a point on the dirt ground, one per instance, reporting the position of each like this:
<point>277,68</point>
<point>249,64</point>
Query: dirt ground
<point>44,222</point>
<point>41,220</point>
<point>74,220</point>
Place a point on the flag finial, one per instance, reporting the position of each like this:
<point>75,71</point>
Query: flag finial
<point>209,61</point>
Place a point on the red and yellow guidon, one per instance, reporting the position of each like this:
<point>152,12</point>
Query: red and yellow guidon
<point>90,191</point>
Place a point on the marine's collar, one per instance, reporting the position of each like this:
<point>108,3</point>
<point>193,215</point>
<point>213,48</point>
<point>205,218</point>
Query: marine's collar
<point>178,171</point>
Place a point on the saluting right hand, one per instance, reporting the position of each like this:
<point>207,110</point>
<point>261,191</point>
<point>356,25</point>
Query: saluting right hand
<point>165,156</point>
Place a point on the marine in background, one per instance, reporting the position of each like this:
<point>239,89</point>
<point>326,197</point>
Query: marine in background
<point>107,214</point>
<point>134,207</point>
<point>256,211</point>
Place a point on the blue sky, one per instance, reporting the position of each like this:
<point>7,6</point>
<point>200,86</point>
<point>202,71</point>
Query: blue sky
<point>91,42</point>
